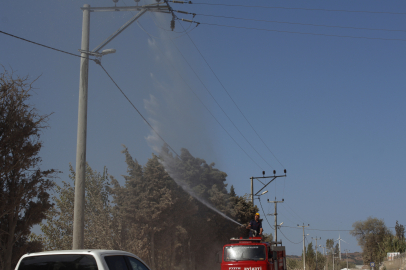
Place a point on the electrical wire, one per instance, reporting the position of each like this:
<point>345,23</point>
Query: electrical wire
<point>39,44</point>
<point>184,58</point>
<point>176,70</point>
<point>265,214</point>
<point>302,33</point>
<point>98,62</point>
<point>322,230</point>
<point>293,211</point>
<point>146,121</point>
<point>304,24</point>
<point>288,238</point>
<point>307,9</point>
<point>222,85</point>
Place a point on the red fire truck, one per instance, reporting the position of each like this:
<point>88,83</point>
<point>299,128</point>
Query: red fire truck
<point>252,254</point>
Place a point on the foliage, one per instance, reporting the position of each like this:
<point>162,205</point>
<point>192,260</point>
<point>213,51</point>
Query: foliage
<point>170,224</point>
<point>293,264</point>
<point>329,245</point>
<point>400,231</point>
<point>370,234</point>
<point>267,237</point>
<point>58,227</point>
<point>24,196</point>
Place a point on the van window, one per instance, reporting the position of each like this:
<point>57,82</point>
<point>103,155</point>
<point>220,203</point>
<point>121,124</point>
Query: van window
<point>116,262</point>
<point>59,262</point>
<point>136,264</point>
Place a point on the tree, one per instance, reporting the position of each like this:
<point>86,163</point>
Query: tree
<point>329,245</point>
<point>268,237</point>
<point>99,228</point>
<point>370,235</point>
<point>400,231</point>
<point>310,256</point>
<point>24,196</point>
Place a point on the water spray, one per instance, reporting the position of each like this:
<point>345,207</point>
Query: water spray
<point>173,175</point>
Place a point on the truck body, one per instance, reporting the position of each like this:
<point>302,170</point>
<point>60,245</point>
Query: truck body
<point>252,254</point>
<point>89,259</point>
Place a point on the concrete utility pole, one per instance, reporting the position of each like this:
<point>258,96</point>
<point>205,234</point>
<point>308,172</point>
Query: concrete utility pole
<point>263,176</point>
<point>317,250</point>
<point>79,204</point>
<point>276,217</point>
<point>304,248</point>
<point>252,190</point>
<point>346,256</point>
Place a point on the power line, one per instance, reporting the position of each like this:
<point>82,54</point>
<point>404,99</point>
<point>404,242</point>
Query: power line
<point>176,70</point>
<point>288,238</point>
<point>302,33</point>
<point>45,46</point>
<point>294,212</point>
<point>265,214</point>
<point>146,121</point>
<point>307,9</point>
<point>318,229</point>
<point>233,101</point>
<point>193,90</point>
<point>218,104</point>
<point>304,24</point>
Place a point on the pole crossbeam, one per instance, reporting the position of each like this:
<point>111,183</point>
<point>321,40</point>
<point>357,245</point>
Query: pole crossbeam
<point>161,8</point>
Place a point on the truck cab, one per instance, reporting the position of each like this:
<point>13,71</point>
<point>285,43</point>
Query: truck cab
<point>252,254</point>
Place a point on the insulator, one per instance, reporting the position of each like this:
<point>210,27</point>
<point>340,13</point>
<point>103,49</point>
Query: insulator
<point>185,20</point>
<point>284,171</point>
<point>172,24</point>
<point>184,12</point>
<point>274,172</point>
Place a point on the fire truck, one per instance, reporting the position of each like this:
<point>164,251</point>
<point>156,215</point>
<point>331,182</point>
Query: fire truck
<point>252,254</point>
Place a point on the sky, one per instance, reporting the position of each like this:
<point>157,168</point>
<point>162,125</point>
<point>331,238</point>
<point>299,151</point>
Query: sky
<point>313,87</point>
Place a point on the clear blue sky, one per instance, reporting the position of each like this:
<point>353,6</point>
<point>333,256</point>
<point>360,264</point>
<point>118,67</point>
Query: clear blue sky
<point>329,102</point>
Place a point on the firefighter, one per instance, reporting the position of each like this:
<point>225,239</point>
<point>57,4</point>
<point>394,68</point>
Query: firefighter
<point>255,225</point>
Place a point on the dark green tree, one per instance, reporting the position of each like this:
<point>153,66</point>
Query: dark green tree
<point>24,193</point>
<point>400,231</point>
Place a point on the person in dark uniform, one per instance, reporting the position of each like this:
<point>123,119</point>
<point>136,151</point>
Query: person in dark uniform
<point>255,225</point>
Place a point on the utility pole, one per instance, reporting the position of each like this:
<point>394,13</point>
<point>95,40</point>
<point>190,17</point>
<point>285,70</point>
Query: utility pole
<point>316,248</point>
<point>304,249</point>
<point>252,190</point>
<point>79,204</point>
<point>276,217</point>
<point>263,176</point>
<point>346,256</point>
<point>324,253</point>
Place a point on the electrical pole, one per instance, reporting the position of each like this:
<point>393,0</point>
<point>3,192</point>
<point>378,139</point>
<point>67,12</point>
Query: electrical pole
<point>252,190</point>
<point>346,255</point>
<point>79,204</point>
<point>316,248</point>
<point>304,249</point>
<point>263,176</point>
<point>276,217</point>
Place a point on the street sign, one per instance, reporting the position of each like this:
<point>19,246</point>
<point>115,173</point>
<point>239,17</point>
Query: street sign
<point>372,264</point>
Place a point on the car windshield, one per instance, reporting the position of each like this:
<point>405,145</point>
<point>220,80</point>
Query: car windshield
<point>244,253</point>
<point>60,262</point>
